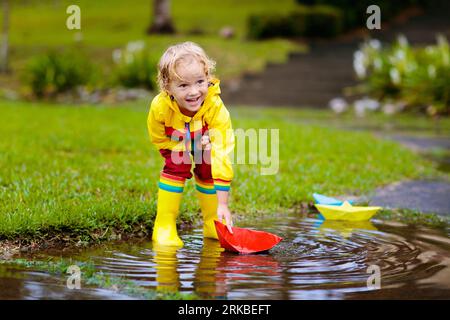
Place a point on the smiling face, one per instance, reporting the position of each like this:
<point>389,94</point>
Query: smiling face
<point>190,89</point>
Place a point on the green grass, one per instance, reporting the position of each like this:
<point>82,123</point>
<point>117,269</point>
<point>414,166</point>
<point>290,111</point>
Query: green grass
<point>44,22</point>
<point>90,276</point>
<point>113,22</point>
<point>108,25</point>
<point>406,123</point>
<point>415,218</point>
<point>87,172</point>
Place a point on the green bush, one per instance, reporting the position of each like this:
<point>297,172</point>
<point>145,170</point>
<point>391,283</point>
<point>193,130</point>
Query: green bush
<point>135,66</point>
<point>323,21</point>
<point>55,72</point>
<point>418,77</point>
<point>314,21</point>
<point>354,12</point>
<point>271,25</point>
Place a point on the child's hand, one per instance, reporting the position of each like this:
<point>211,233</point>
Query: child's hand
<point>224,213</point>
<point>206,144</point>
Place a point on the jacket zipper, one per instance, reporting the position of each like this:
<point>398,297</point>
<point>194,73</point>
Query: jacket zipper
<point>188,136</point>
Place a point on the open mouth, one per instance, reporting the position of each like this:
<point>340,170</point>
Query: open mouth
<point>193,101</point>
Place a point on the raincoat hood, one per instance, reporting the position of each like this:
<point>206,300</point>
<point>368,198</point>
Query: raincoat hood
<point>211,96</point>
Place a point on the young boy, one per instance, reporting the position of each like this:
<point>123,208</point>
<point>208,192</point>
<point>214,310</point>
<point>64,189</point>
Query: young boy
<point>188,118</point>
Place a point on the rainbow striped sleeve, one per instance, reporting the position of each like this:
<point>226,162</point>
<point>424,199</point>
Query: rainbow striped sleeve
<point>171,183</point>
<point>205,186</point>
<point>222,185</point>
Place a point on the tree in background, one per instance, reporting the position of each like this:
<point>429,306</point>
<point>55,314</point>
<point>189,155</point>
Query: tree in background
<point>4,46</point>
<point>162,19</point>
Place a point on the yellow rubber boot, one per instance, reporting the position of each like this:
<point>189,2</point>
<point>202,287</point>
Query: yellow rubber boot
<point>208,204</point>
<point>169,198</point>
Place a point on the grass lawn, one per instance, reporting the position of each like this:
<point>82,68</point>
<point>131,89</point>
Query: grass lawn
<point>38,26</point>
<point>83,171</point>
<point>405,123</point>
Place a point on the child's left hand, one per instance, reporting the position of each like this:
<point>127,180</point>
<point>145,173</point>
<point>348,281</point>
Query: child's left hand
<point>224,213</point>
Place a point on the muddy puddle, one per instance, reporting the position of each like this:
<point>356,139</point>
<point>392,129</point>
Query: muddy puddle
<point>316,260</point>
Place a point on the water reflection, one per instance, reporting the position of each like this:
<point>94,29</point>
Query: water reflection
<point>344,228</point>
<point>17,283</point>
<point>166,263</point>
<point>207,279</point>
<point>216,273</point>
<point>255,276</point>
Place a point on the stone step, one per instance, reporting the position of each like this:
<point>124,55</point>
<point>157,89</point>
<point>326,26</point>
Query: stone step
<point>297,84</point>
<point>310,73</point>
<point>319,75</point>
<point>317,67</point>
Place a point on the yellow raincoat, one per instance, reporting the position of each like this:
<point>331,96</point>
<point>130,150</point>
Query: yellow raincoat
<point>168,129</point>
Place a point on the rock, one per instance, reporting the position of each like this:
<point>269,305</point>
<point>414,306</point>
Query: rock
<point>95,97</point>
<point>233,85</point>
<point>338,105</point>
<point>9,94</point>
<point>24,249</point>
<point>227,32</point>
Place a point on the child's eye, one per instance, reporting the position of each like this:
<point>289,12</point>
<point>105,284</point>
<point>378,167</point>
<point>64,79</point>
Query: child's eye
<point>200,81</point>
<point>182,85</point>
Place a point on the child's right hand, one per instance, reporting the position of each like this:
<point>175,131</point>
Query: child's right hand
<point>206,143</point>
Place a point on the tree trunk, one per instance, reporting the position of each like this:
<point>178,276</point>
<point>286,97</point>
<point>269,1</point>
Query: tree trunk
<point>162,19</point>
<point>4,48</point>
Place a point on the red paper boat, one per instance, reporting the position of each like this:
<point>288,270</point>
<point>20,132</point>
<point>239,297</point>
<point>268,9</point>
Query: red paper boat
<point>245,240</point>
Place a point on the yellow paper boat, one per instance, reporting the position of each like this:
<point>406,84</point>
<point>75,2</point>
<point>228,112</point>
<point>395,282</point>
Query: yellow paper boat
<point>347,212</point>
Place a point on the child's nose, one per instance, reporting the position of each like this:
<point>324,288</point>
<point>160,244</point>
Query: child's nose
<point>193,91</point>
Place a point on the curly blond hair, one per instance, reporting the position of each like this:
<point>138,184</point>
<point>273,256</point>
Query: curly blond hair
<point>180,52</point>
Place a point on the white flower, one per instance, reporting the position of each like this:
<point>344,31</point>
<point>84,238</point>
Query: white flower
<point>444,50</point>
<point>368,103</point>
<point>395,76</point>
<point>389,108</point>
<point>375,44</point>
<point>432,71</point>
<point>429,50</point>
<point>134,46</point>
<point>400,55</point>
<point>359,108</point>
<point>359,64</point>
<point>442,40</point>
<point>378,63</point>
<point>402,41</point>
<point>117,55</point>
<point>338,105</point>
<point>364,104</point>
<point>371,104</point>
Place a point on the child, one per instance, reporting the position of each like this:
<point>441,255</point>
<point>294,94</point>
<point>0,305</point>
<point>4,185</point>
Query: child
<point>188,118</point>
